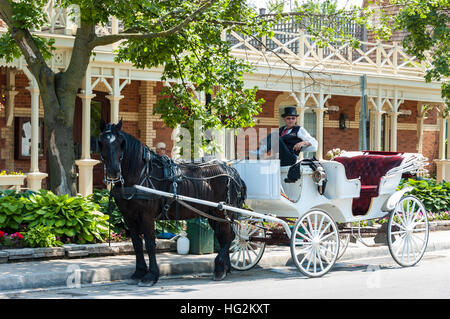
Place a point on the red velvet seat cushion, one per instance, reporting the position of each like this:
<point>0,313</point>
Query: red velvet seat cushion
<point>370,169</point>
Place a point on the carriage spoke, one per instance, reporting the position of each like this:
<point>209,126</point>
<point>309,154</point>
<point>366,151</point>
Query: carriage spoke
<point>326,236</point>
<point>306,228</point>
<point>323,231</point>
<point>398,225</point>
<point>329,251</point>
<point>320,225</point>
<point>305,256</point>
<point>324,255</point>
<point>304,236</point>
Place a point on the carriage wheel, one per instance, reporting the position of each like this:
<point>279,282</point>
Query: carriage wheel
<point>315,243</point>
<point>408,231</point>
<point>245,254</point>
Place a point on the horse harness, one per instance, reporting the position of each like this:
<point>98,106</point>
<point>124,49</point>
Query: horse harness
<point>171,172</point>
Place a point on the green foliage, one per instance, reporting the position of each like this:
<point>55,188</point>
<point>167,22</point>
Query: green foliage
<point>101,198</point>
<point>11,207</point>
<point>428,26</point>
<point>41,236</point>
<point>168,226</point>
<point>68,217</point>
<point>434,196</point>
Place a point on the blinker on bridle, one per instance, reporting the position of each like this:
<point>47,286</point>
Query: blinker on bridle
<point>110,181</point>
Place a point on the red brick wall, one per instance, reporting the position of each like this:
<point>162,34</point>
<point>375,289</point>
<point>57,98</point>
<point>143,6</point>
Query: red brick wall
<point>389,10</point>
<point>130,101</point>
<point>269,105</point>
<point>430,148</point>
<point>411,106</point>
<point>346,139</point>
<point>346,105</point>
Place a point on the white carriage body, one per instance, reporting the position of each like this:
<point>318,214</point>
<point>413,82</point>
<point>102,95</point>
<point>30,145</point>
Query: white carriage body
<point>269,194</point>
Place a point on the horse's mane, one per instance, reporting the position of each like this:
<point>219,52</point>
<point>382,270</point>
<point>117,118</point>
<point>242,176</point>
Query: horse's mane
<point>133,151</point>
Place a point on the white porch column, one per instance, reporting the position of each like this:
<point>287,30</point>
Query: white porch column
<point>442,129</point>
<point>443,163</point>
<point>377,129</point>
<point>115,99</point>
<point>448,132</point>
<point>86,164</point>
<point>393,137</point>
<point>34,177</point>
<point>10,95</point>
<point>420,121</point>
<point>319,131</point>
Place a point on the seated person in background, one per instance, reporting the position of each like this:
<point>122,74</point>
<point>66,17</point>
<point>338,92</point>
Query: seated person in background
<point>292,139</point>
<point>161,148</point>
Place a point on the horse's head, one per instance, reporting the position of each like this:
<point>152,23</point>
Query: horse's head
<point>112,144</point>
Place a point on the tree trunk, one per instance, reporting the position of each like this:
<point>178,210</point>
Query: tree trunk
<point>59,106</point>
<point>61,157</point>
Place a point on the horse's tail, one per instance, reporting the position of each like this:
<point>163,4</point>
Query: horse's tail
<point>240,189</point>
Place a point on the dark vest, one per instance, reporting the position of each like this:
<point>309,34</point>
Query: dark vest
<point>291,139</point>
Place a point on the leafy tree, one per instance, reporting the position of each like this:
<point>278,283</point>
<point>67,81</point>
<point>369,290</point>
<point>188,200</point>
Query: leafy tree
<point>183,36</point>
<point>427,23</point>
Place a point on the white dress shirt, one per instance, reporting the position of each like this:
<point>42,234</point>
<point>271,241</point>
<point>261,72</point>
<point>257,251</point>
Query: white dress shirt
<point>305,136</point>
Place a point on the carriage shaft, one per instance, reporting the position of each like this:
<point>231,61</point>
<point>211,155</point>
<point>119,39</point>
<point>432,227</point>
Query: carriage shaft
<point>220,206</point>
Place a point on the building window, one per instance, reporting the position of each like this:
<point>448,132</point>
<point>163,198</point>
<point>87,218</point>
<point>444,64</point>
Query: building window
<point>22,138</point>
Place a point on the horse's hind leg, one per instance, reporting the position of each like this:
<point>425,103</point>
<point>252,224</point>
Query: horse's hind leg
<point>225,235</point>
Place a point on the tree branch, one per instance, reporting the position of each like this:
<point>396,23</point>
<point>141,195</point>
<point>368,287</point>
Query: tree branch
<point>109,39</point>
<point>25,41</point>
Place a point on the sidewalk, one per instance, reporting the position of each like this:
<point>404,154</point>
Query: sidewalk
<point>60,272</point>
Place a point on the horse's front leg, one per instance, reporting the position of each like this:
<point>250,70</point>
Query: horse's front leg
<point>141,266</point>
<point>152,275</point>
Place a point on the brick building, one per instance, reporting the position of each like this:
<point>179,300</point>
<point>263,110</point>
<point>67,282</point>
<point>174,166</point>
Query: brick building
<point>326,87</point>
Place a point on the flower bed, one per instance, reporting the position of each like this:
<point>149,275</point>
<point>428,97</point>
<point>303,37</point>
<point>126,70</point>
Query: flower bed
<point>43,219</point>
<point>47,220</point>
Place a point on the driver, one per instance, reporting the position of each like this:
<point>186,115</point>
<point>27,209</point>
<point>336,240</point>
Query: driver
<point>292,139</point>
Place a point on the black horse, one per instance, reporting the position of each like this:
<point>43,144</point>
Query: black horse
<point>128,162</point>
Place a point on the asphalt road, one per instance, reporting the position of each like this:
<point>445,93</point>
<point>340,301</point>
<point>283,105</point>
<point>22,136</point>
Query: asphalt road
<point>358,279</point>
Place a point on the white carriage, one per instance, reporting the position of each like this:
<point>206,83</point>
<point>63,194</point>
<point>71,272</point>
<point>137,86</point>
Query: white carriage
<point>359,186</point>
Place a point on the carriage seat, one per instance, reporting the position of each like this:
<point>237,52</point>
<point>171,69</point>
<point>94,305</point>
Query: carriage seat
<point>370,169</point>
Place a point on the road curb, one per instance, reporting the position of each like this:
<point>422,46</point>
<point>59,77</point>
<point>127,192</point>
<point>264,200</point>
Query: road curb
<point>77,251</point>
<point>70,272</point>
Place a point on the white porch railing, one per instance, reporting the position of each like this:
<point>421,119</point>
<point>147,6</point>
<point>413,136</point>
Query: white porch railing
<point>301,50</point>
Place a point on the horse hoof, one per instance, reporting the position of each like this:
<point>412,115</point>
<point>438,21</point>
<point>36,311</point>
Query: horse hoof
<point>219,277</point>
<point>146,283</point>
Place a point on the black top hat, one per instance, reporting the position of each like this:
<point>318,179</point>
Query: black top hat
<point>290,111</point>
